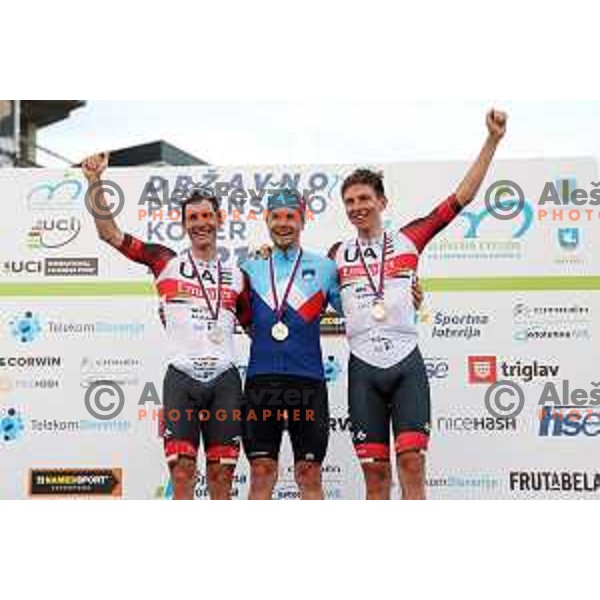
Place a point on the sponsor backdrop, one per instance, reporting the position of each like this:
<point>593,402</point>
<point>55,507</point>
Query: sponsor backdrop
<point>510,300</point>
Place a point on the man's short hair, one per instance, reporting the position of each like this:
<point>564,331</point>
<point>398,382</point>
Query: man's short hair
<point>365,177</point>
<point>196,197</point>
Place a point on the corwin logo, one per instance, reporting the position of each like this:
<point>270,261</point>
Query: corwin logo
<point>61,195</point>
<point>26,327</point>
<point>11,424</point>
<point>29,362</point>
<point>53,232</point>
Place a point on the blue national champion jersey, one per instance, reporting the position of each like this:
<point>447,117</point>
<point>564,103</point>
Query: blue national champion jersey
<point>315,286</point>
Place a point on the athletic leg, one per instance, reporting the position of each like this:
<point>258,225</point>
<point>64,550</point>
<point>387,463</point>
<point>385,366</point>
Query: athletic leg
<point>411,417</point>
<point>181,435</point>
<point>221,434</point>
<point>370,418</point>
<point>308,425</point>
<point>262,427</point>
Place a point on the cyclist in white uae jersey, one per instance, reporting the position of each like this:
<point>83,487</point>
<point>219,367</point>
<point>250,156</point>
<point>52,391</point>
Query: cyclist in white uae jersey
<point>199,300</point>
<point>387,378</point>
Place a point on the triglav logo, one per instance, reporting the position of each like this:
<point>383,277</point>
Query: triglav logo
<point>485,369</point>
<point>482,369</point>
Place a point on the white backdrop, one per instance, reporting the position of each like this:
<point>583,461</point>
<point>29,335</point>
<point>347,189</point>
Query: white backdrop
<point>498,289</point>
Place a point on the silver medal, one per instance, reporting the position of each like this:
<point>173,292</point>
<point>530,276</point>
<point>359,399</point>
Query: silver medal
<point>280,331</point>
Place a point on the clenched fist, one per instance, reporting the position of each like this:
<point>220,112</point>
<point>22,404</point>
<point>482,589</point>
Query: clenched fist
<point>496,123</point>
<point>93,166</point>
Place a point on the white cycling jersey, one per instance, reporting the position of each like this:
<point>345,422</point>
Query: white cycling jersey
<point>199,345</point>
<point>385,342</point>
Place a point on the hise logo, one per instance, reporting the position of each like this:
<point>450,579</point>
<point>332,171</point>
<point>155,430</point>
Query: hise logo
<point>573,422</point>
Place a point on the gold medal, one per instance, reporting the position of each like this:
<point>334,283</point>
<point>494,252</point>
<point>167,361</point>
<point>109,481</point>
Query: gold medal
<point>280,331</point>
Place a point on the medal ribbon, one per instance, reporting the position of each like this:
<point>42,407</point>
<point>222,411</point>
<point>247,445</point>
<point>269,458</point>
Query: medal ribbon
<point>280,307</point>
<point>378,291</point>
<point>214,313</point>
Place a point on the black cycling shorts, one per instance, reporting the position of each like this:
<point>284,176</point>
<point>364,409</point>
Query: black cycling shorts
<point>192,408</point>
<point>399,394</point>
<point>273,403</point>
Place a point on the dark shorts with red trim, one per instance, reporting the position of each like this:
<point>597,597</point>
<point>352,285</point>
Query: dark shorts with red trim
<point>399,394</point>
<point>274,403</point>
<point>193,409</point>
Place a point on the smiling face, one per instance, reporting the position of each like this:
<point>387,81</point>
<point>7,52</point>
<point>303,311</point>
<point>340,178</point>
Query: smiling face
<point>201,222</point>
<point>364,207</point>
<point>285,226</point>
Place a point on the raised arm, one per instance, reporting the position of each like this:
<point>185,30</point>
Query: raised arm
<point>421,231</point>
<point>93,167</point>
<point>496,125</point>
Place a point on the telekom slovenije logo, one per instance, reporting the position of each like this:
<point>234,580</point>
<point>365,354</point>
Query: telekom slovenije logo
<point>482,369</point>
